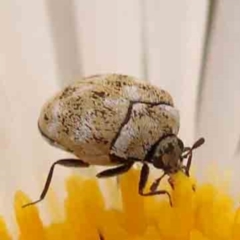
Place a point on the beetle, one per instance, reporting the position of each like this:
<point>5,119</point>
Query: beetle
<point>115,120</point>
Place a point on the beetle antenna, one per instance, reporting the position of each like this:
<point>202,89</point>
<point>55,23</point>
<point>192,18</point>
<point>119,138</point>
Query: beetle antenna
<point>189,153</point>
<point>198,143</point>
<point>189,150</point>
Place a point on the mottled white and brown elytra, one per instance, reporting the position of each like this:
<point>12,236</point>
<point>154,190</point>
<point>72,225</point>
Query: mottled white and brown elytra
<point>115,119</point>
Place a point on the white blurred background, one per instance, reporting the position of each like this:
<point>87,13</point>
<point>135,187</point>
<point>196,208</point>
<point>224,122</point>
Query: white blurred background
<point>190,48</point>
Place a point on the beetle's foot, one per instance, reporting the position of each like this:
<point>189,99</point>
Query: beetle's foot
<point>194,187</point>
<point>171,183</point>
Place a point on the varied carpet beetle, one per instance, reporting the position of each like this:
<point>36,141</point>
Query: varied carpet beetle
<point>115,119</point>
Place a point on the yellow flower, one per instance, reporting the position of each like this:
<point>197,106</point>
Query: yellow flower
<point>204,214</point>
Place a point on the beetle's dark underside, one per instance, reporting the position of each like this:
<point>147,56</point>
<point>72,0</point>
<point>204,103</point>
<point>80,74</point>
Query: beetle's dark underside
<point>123,165</point>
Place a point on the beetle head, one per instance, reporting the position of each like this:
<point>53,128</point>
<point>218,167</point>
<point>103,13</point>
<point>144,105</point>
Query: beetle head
<point>167,155</point>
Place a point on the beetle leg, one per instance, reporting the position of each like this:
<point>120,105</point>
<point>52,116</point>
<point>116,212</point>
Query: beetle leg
<point>62,162</point>
<point>115,171</point>
<point>142,183</point>
<point>143,178</point>
<point>100,236</point>
<point>156,183</point>
<point>189,161</point>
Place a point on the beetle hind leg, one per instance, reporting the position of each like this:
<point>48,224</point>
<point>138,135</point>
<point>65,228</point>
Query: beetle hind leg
<point>143,181</point>
<point>62,162</point>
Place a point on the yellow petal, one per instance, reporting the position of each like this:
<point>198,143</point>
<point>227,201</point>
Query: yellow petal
<point>54,207</point>
<point>152,234</point>
<point>112,227</point>
<point>183,194</point>
<point>236,226</point>
<point>28,219</point>
<point>84,206</point>
<point>204,214</point>
<point>176,222</point>
<point>4,235</point>
<point>196,235</point>
<point>133,203</point>
<point>215,213</point>
<point>57,231</point>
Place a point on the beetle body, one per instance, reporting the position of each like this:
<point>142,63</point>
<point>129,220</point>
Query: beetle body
<point>115,119</point>
<point>109,115</point>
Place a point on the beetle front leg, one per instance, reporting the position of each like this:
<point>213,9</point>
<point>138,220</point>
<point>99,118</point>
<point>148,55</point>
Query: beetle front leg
<point>62,162</point>
<point>189,162</point>
<point>189,153</point>
<point>143,181</point>
<point>156,183</point>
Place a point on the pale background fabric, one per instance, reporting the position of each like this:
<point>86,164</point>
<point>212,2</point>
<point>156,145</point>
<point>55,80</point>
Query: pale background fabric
<point>190,48</point>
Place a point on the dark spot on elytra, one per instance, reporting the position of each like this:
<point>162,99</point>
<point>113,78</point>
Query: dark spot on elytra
<point>140,114</point>
<point>66,130</point>
<point>78,98</point>
<point>89,127</point>
<point>98,139</point>
<point>76,106</point>
<point>67,92</point>
<point>46,117</point>
<point>99,94</point>
<point>134,113</point>
<point>118,84</point>
<point>105,142</point>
